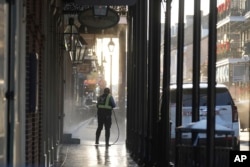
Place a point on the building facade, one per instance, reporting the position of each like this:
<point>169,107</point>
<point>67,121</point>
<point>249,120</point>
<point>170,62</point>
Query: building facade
<point>232,47</point>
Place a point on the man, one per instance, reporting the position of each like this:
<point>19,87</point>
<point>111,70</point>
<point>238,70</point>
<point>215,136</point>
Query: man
<point>105,105</point>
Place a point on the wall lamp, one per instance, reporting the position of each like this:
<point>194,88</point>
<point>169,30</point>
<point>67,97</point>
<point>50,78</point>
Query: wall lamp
<point>71,36</point>
<point>75,45</point>
<point>80,51</point>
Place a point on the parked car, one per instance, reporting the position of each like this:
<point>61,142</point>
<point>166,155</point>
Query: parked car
<point>226,113</point>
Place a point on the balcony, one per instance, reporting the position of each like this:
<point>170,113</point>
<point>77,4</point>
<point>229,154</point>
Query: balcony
<point>228,50</point>
<point>231,12</point>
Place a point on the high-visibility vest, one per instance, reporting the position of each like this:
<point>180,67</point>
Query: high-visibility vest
<point>106,105</point>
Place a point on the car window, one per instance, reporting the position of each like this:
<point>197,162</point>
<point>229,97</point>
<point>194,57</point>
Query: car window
<point>223,97</point>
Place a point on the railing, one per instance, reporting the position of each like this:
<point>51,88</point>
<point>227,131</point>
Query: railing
<point>231,12</point>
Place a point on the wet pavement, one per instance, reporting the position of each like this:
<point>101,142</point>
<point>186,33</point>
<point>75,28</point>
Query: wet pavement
<point>95,156</point>
<point>87,154</point>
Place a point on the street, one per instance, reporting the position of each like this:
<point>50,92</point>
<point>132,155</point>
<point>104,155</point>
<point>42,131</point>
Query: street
<point>243,109</point>
<point>244,141</point>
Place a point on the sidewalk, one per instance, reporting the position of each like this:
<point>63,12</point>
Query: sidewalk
<point>86,154</point>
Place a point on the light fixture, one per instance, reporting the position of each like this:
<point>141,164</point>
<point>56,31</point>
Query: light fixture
<point>111,45</point>
<point>71,36</point>
<point>78,56</point>
<point>74,43</point>
<point>100,10</point>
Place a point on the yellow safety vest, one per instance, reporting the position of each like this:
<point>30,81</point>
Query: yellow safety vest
<point>106,105</point>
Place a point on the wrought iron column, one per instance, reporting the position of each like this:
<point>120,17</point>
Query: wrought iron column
<point>212,36</point>
<point>165,119</point>
<point>179,82</point>
<point>122,70</point>
<point>196,63</point>
<point>153,149</point>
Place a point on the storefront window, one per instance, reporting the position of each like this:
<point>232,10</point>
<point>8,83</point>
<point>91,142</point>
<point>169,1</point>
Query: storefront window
<point>2,85</point>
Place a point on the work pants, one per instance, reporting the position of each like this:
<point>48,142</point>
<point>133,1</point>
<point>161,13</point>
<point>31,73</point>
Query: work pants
<point>104,119</point>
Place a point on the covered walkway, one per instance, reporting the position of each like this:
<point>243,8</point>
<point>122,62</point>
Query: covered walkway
<point>41,78</point>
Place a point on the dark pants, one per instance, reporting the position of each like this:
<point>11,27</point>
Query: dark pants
<point>104,118</point>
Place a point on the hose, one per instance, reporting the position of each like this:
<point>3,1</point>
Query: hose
<point>118,130</point>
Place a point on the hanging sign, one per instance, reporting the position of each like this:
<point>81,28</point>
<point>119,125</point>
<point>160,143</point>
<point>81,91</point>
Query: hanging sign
<point>87,18</point>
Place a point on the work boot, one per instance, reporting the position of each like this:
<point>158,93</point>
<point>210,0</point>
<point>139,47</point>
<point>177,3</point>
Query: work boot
<point>107,140</point>
<point>97,137</point>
